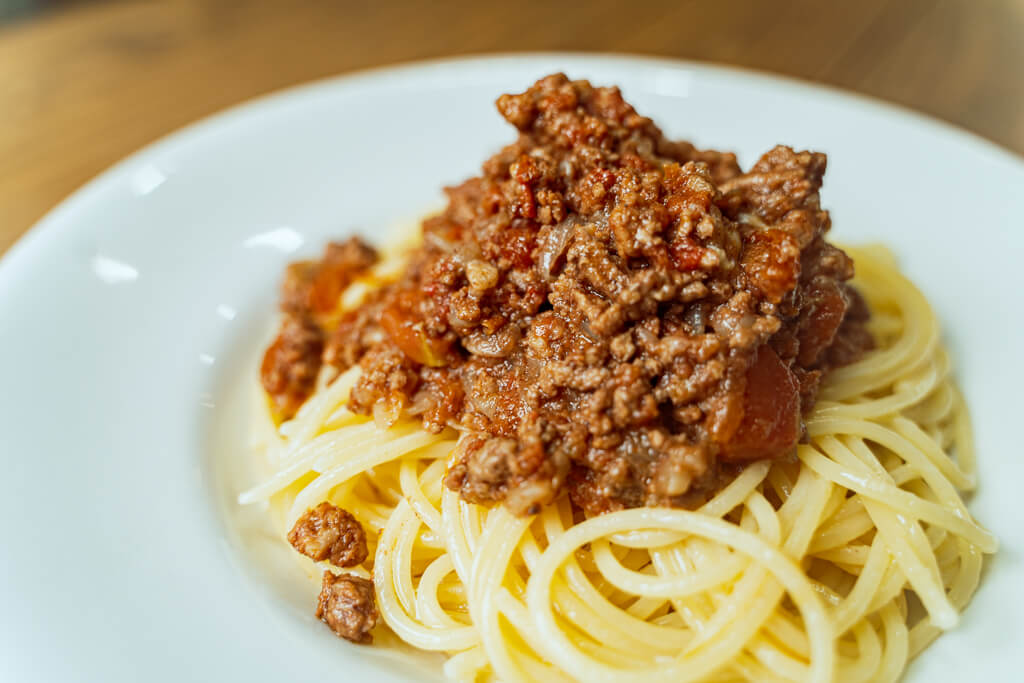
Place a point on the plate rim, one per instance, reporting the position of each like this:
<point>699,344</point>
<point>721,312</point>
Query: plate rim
<point>49,225</point>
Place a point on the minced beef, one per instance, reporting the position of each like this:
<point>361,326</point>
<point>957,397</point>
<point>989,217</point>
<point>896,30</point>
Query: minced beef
<point>309,304</point>
<point>330,533</point>
<point>348,605</point>
<point>608,312</point>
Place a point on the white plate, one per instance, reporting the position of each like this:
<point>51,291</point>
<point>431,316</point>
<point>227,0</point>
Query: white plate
<point>131,314</point>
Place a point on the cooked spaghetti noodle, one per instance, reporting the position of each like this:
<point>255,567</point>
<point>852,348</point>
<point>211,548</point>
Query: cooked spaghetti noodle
<point>839,564</point>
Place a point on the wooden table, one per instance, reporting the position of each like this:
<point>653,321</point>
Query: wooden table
<point>83,85</point>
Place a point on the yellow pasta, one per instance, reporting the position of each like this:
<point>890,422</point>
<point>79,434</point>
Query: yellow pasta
<point>839,564</point>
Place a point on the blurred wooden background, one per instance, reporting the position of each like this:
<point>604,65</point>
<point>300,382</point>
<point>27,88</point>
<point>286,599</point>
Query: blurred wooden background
<point>82,84</point>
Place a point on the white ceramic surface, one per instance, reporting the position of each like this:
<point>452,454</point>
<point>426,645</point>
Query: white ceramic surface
<point>130,319</point>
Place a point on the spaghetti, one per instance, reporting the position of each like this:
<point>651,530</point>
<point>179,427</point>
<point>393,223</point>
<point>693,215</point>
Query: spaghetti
<point>839,564</point>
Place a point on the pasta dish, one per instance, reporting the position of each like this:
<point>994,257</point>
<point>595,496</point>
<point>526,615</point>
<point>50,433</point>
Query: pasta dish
<point>621,412</point>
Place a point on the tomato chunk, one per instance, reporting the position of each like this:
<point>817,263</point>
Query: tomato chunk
<point>771,411</point>
<point>407,331</point>
<point>772,262</point>
<point>827,304</point>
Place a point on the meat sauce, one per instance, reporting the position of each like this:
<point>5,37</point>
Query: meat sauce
<point>602,310</point>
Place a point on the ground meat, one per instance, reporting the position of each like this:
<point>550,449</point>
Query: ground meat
<point>347,604</point>
<point>609,312</point>
<point>312,288</point>
<point>389,377</point>
<point>357,331</point>
<point>291,363</point>
<point>329,533</point>
<point>309,303</point>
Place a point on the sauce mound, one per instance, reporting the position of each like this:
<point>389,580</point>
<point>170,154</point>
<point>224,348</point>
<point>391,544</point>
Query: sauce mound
<point>602,310</point>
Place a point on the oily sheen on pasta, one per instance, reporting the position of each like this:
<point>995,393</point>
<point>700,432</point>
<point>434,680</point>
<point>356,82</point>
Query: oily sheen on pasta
<point>621,412</point>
